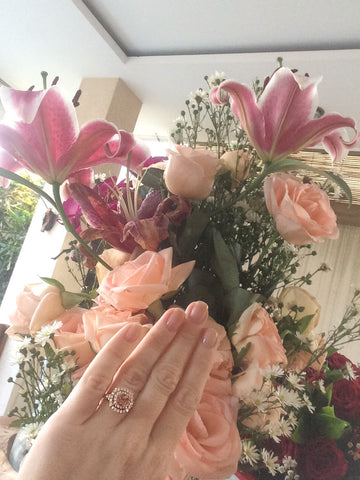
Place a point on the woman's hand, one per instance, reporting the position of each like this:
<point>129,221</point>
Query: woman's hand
<point>166,371</point>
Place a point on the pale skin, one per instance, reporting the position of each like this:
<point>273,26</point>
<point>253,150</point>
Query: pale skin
<point>167,371</point>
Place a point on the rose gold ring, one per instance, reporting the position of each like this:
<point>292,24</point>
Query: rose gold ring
<point>121,400</point>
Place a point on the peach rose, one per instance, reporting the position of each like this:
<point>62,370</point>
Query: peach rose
<point>299,361</point>
<point>219,382</point>
<point>112,257</point>
<point>210,447</point>
<point>302,211</point>
<point>137,283</point>
<point>296,296</point>
<point>191,173</point>
<point>102,323</point>
<point>265,421</point>
<point>71,336</point>
<point>37,304</point>
<point>256,326</point>
<point>237,162</point>
<point>248,380</point>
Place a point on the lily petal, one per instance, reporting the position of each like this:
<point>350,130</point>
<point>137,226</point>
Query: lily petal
<point>337,147</point>
<point>8,162</point>
<point>282,121</point>
<point>88,150</point>
<point>244,106</point>
<point>95,210</point>
<point>149,232</point>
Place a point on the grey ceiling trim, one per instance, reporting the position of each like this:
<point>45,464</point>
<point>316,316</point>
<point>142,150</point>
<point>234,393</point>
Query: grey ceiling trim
<point>101,30</point>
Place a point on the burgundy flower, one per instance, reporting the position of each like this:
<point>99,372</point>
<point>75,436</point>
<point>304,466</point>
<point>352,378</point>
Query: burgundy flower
<point>339,361</point>
<point>346,399</point>
<point>284,448</point>
<point>313,375</point>
<point>134,221</point>
<point>320,459</point>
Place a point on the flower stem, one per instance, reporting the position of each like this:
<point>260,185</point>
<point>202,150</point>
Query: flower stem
<point>70,228</point>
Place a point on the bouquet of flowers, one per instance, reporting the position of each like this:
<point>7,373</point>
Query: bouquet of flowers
<point>224,218</point>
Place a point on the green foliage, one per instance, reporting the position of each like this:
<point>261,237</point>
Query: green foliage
<point>17,205</point>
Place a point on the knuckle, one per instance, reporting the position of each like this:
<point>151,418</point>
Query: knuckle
<point>135,377</point>
<point>96,383</point>
<point>166,379</point>
<point>186,400</point>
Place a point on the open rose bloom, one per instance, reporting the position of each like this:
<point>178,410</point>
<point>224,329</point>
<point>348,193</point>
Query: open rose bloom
<point>302,211</point>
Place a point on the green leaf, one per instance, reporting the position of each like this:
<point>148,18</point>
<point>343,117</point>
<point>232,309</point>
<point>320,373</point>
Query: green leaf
<point>285,333</point>
<point>54,283</point>
<point>237,301</point>
<point>92,348</point>
<point>300,433</point>
<point>191,232</point>
<point>70,299</point>
<point>224,263</point>
<point>329,425</point>
<point>17,423</point>
<point>342,184</point>
<point>153,178</point>
<point>240,355</point>
<point>304,322</point>
<point>333,376</point>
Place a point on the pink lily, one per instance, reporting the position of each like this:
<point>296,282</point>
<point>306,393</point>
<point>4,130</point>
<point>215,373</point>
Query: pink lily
<point>282,121</point>
<point>337,147</point>
<point>147,226</point>
<point>42,134</point>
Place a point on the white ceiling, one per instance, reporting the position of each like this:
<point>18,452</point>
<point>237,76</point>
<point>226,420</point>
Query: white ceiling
<point>163,48</point>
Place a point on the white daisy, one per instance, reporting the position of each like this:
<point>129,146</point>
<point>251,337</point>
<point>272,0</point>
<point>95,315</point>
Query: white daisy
<point>289,462</point>
<point>349,374</point>
<point>303,338</point>
<point>322,385</point>
<point>68,364</point>
<point>252,217</point>
<point>308,404</point>
<point>295,381</point>
<point>272,371</point>
<point>180,122</point>
<point>30,432</point>
<point>43,336</point>
<point>287,397</point>
<point>285,427</point>
<point>293,421</point>
<point>259,399</point>
<point>250,454</point>
<point>270,461</point>
<point>216,78</point>
<point>199,95</point>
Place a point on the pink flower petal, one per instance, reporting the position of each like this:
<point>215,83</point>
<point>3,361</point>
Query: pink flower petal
<point>92,139</point>
<point>9,163</point>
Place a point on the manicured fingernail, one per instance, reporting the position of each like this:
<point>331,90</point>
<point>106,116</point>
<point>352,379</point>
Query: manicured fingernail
<point>209,339</point>
<point>175,319</point>
<point>198,312</point>
<point>132,332</point>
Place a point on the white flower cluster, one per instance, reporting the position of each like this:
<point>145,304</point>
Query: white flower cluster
<point>216,78</point>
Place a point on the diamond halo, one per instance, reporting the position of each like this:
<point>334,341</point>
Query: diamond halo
<point>121,400</point>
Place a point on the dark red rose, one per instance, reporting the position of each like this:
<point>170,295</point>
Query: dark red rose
<point>313,375</point>
<point>346,399</point>
<point>339,361</point>
<point>320,459</point>
<point>284,448</point>
<point>244,476</point>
